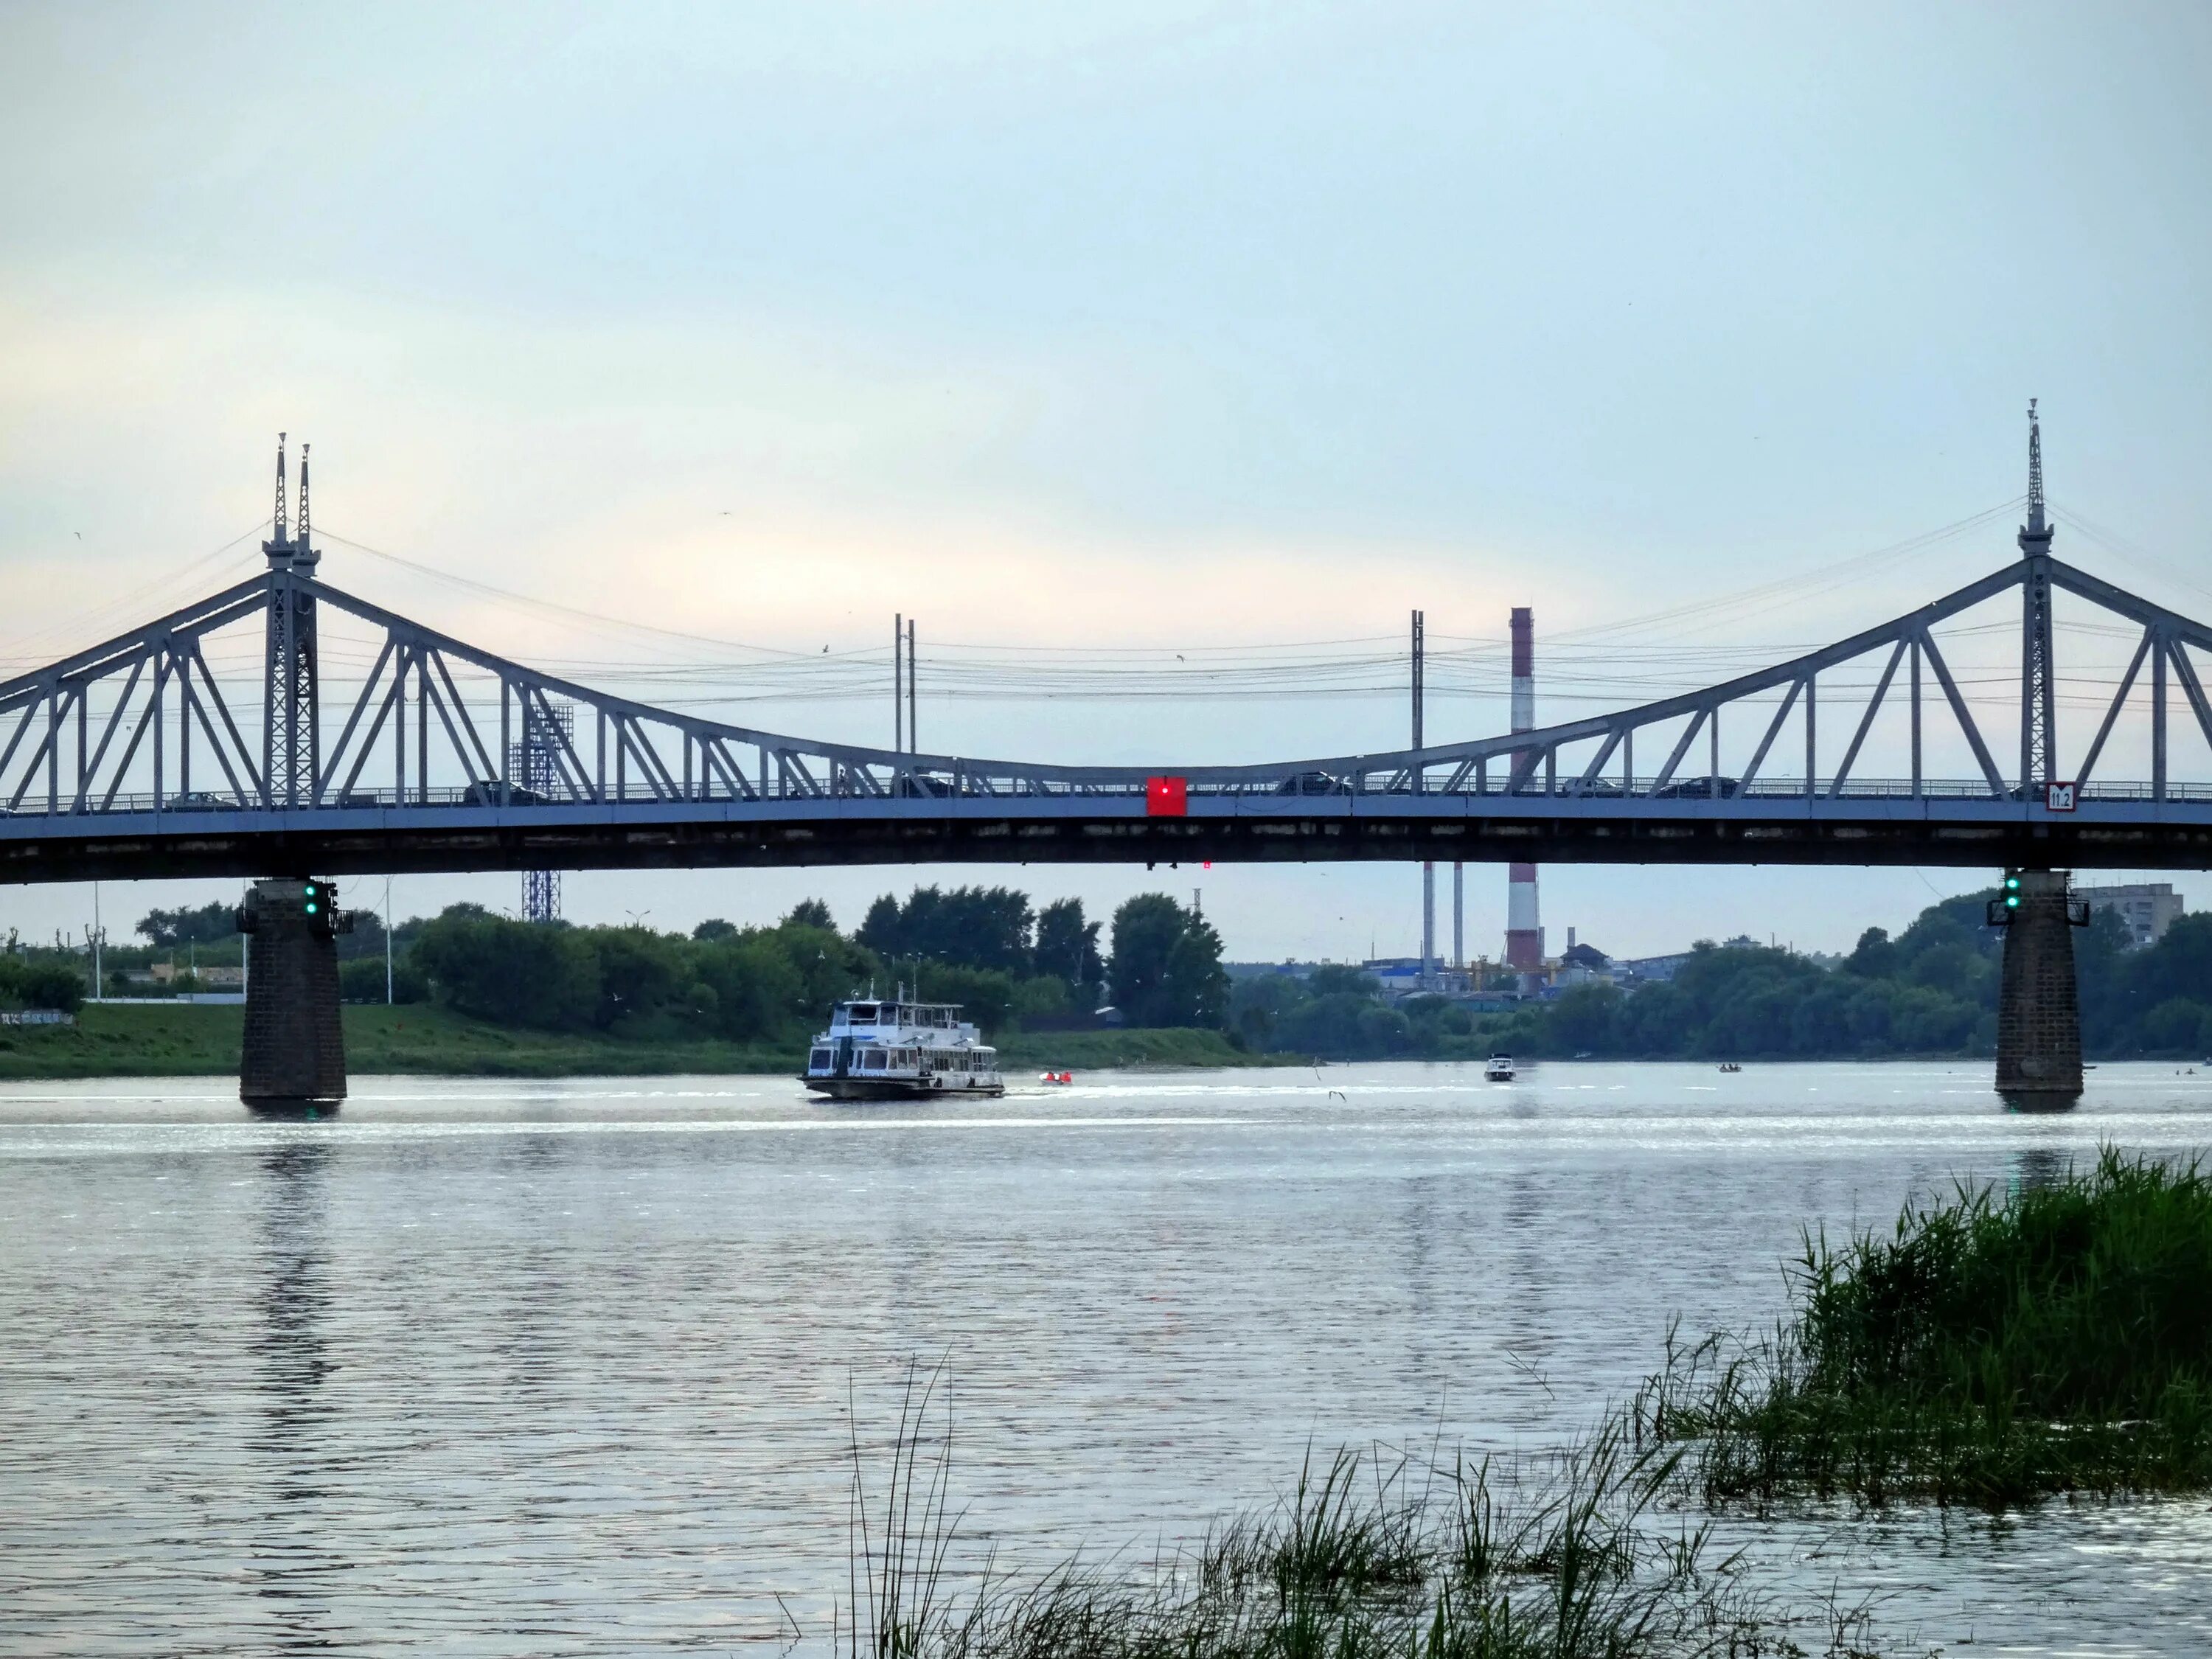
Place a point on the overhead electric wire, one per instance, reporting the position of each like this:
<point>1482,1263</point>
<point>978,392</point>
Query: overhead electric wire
<point>1579,666</point>
<point>596,619</point>
<point>1810,584</point>
<point>2135,552</point>
<point>84,628</point>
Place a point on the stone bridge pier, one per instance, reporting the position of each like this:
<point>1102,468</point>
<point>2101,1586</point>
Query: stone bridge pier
<point>293,1062</point>
<point>2038,1003</point>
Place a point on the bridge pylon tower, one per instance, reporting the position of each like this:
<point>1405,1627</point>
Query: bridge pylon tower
<point>2038,996</point>
<point>2038,730</point>
<point>291,748</point>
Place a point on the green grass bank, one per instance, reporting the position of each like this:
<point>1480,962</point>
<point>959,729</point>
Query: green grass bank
<point>191,1040</point>
<point>1994,1348</point>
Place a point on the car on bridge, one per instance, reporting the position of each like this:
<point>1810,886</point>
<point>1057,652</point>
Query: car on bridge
<point>1700,789</point>
<point>488,794</point>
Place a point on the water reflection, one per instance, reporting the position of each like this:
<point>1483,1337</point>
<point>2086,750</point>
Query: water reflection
<point>289,1565</point>
<point>2034,1167</point>
<point>2039,1104</point>
<point>292,1111</point>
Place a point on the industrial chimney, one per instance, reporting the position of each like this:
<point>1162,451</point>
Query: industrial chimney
<point>1524,932</point>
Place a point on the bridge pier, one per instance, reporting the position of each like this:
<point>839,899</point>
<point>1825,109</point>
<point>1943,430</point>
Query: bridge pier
<point>2038,1003</point>
<point>293,1062</point>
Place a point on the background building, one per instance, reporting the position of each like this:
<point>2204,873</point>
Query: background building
<point>2148,908</point>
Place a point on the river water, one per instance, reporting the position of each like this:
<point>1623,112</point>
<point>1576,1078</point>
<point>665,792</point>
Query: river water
<point>565,1368</point>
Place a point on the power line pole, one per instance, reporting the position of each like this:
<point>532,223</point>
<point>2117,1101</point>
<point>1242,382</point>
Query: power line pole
<point>533,775</point>
<point>898,684</point>
<point>1428,866</point>
<point>387,942</point>
<point>912,703</point>
<point>1459,915</point>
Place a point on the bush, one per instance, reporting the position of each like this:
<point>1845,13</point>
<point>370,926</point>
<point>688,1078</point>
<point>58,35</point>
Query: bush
<point>41,985</point>
<point>363,980</point>
<point>512,972</point>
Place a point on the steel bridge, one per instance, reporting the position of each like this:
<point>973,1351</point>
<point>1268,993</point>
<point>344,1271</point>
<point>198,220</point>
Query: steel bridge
<point>133,759</point>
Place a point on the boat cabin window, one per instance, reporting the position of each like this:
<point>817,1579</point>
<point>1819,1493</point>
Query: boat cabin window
<point>818,1060</point>
<point>861,1013</point>
<point>872,1061</point>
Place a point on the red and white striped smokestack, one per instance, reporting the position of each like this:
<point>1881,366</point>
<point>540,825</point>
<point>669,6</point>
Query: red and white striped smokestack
<point>1524,930</point>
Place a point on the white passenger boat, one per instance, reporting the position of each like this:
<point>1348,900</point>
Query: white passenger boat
<point>895,1049</point>
<point>1499,1070</point>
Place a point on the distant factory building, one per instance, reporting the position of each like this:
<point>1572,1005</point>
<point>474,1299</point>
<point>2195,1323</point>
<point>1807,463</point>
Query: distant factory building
<point>1582,964</point>
<point>1402,976</point>
<point>2148,909</point>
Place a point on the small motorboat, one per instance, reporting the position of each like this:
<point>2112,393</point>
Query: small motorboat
<point>1498,1069</point>
<point>1056,1076</point>
<point>1730,1065</point>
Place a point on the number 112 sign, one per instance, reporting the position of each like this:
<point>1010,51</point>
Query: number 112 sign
<point>2058,797</point>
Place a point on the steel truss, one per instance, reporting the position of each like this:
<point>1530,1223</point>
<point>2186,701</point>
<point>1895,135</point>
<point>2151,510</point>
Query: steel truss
<point>138,726</point>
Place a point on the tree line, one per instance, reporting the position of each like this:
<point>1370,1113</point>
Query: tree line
<point>1930,991</point>
<point>986,948</point>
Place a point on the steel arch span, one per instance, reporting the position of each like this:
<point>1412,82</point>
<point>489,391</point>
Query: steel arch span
<point>132,759</point>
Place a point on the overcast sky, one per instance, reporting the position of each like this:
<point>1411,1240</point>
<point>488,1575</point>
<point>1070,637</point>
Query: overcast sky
<point>1139,326</point>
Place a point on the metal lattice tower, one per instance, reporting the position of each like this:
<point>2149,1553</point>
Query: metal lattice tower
<point>290,747</point>
<point>2038,732</point>
<point>533,770</point>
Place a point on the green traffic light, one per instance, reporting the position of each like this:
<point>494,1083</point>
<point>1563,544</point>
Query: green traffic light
<point>2012,902</point>
<point>2013,882</point>
<point>310,907</point>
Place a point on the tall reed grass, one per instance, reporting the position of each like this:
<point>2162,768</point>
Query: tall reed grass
<point>1990,1351</point>
<point>1568,1555</point>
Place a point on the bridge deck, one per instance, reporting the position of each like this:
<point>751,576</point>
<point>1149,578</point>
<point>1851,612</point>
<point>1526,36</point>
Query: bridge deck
<point>1940,828</point>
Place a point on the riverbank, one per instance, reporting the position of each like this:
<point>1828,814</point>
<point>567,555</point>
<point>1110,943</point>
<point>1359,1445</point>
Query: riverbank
<point>1996,1348</point>
<point>199,1040</point>
<point>1993,1348</point>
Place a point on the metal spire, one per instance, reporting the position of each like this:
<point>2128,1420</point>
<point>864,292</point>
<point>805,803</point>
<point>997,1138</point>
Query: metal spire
<point>278,547</point>
<point>291,742</point>
<point>302,552</point>
<point>2035,534</point>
